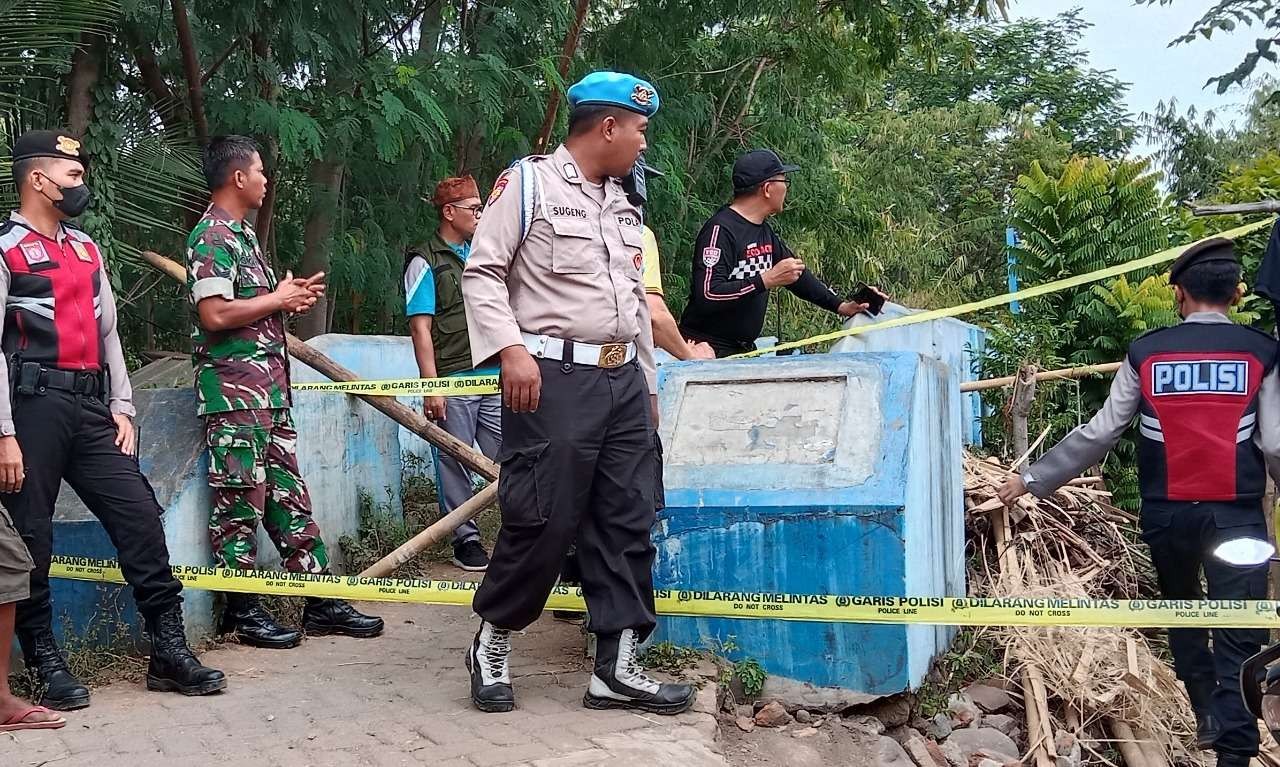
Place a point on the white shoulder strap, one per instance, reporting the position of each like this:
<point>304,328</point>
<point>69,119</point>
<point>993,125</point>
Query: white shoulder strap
<point>532,201</point>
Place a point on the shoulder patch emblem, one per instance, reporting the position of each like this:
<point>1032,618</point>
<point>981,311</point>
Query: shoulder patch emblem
<point>710,256</point>
<point>82,252</point>
<point>34,253</point>
<point>639,261</point>
<point>498,187</point>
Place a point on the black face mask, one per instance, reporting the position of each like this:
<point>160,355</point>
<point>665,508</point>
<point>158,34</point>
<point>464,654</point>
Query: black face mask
<point>75,199</point>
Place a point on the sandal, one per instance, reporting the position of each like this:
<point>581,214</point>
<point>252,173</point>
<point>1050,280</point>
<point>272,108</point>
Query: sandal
<point>18,721</point>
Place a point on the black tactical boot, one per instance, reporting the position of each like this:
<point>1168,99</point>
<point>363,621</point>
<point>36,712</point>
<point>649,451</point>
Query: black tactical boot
<point>334,616</point>
<point>619,682</point>
<point>173,667</point>
<point>1200,691</point>
<point>490,676</point>
<point>254,626</point>
<point>62,691</point>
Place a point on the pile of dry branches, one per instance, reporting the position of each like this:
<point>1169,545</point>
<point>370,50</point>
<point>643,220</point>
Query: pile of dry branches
<point>1103,685</point>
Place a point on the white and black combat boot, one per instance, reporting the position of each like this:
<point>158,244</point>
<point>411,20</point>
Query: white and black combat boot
<point>619,682</point>
<point>490,676</point>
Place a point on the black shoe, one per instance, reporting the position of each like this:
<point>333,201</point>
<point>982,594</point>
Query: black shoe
<point>173,667</point>
<point>1200,691</point>
<point>62,691</point>
<point>619,682</point>
<point>490,675</point>
<point>470,556</point>
<point>334,616</point>
<point>254,626</point>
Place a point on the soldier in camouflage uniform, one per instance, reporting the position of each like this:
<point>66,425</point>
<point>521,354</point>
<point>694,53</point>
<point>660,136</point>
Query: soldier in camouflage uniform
<point>242,386</point>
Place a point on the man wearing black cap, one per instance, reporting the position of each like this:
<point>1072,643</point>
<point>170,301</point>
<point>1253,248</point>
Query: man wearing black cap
<point>1208,399</point>
<point>66,412</point>
<point>738,259</point>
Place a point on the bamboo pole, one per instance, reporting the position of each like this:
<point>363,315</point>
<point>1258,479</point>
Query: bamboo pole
<point>1127,744</point>
<point>1262,206</point>
<point>437,531</point>
<point>1061,373</point>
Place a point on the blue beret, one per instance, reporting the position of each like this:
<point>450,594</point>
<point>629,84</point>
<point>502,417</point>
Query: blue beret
<point>615,89</point>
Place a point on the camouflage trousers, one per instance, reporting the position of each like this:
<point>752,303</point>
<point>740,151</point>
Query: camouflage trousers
<point>253,470</point>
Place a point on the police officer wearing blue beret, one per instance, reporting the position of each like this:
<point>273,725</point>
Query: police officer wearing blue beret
<point>569,322</point>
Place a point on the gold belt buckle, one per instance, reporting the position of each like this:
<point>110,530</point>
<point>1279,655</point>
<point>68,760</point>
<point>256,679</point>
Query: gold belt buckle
<point>612,355</point>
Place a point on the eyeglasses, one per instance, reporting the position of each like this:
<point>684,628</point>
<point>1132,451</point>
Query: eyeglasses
<point>476,210</point>
<point>784,181</point>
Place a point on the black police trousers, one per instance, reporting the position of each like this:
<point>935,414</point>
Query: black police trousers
<point>582,468</point>
<point>1182,537</point>
<point>72,437</point>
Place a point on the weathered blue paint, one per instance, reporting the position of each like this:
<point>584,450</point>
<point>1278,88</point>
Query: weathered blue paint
<point>807,528</point>
<point>950,340</point>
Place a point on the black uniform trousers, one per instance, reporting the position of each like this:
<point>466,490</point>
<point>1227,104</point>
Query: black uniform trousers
<point>72,436</point>
<point>720,347</point>
<point>1182,537</point>
<point>582,468</point>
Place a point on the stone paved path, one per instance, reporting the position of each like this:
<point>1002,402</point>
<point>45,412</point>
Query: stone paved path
<point>401,699</point>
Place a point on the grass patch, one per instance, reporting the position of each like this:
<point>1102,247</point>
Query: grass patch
<point>670,658</point>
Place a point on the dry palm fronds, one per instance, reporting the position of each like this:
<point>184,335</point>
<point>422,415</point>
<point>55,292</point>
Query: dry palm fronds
<point>1103,683</point>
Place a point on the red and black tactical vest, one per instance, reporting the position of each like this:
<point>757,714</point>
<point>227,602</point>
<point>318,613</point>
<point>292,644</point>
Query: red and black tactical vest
<point>1200,384</point>
<point>51,315</point>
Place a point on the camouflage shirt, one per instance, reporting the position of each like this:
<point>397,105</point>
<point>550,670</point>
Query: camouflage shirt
<point>245,368</point>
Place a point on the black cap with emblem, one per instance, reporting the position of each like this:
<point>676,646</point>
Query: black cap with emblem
<point>1213,250</point>
<point>62,144</point>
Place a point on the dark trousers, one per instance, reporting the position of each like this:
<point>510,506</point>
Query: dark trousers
<point>721,347</point>
<point>1182,537</point>
<point>72,437</point>
<point>581,469</point>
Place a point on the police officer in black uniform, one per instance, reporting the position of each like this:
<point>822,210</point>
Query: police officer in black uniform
<point>1207,397</point>
<point>66,412</point>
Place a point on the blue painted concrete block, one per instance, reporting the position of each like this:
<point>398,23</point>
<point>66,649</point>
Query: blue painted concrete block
<point>823,474</point>
<point>957,343</point>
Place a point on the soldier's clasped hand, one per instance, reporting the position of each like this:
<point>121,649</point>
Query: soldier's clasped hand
<point>297,295</point>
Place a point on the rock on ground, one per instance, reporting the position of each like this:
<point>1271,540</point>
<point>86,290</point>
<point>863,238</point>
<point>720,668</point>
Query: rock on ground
<point>985,741</point>
<point>989,699</point>
<point>774,714</point>
<point>891,754</point>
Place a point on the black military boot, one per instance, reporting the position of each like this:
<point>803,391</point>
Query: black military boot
<point>62,691</point>
<point>619,682</point>
<point>334,616</point>
<point>173,667</point>
<point>1200,691</point>
<point>490,675</point>
<point>254,626</point>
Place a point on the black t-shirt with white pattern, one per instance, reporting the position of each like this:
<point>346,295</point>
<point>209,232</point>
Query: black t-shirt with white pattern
<point>727,296</point>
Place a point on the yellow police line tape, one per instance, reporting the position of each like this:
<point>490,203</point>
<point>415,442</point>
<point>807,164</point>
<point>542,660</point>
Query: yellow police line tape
<point>454,386</point>
<point>1145,262</point>
<point>828,608</point>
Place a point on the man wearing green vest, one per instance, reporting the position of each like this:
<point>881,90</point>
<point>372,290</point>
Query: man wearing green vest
<point>438,326</point>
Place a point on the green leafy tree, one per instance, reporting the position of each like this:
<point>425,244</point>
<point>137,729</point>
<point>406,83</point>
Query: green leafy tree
<point>1226,16</point>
